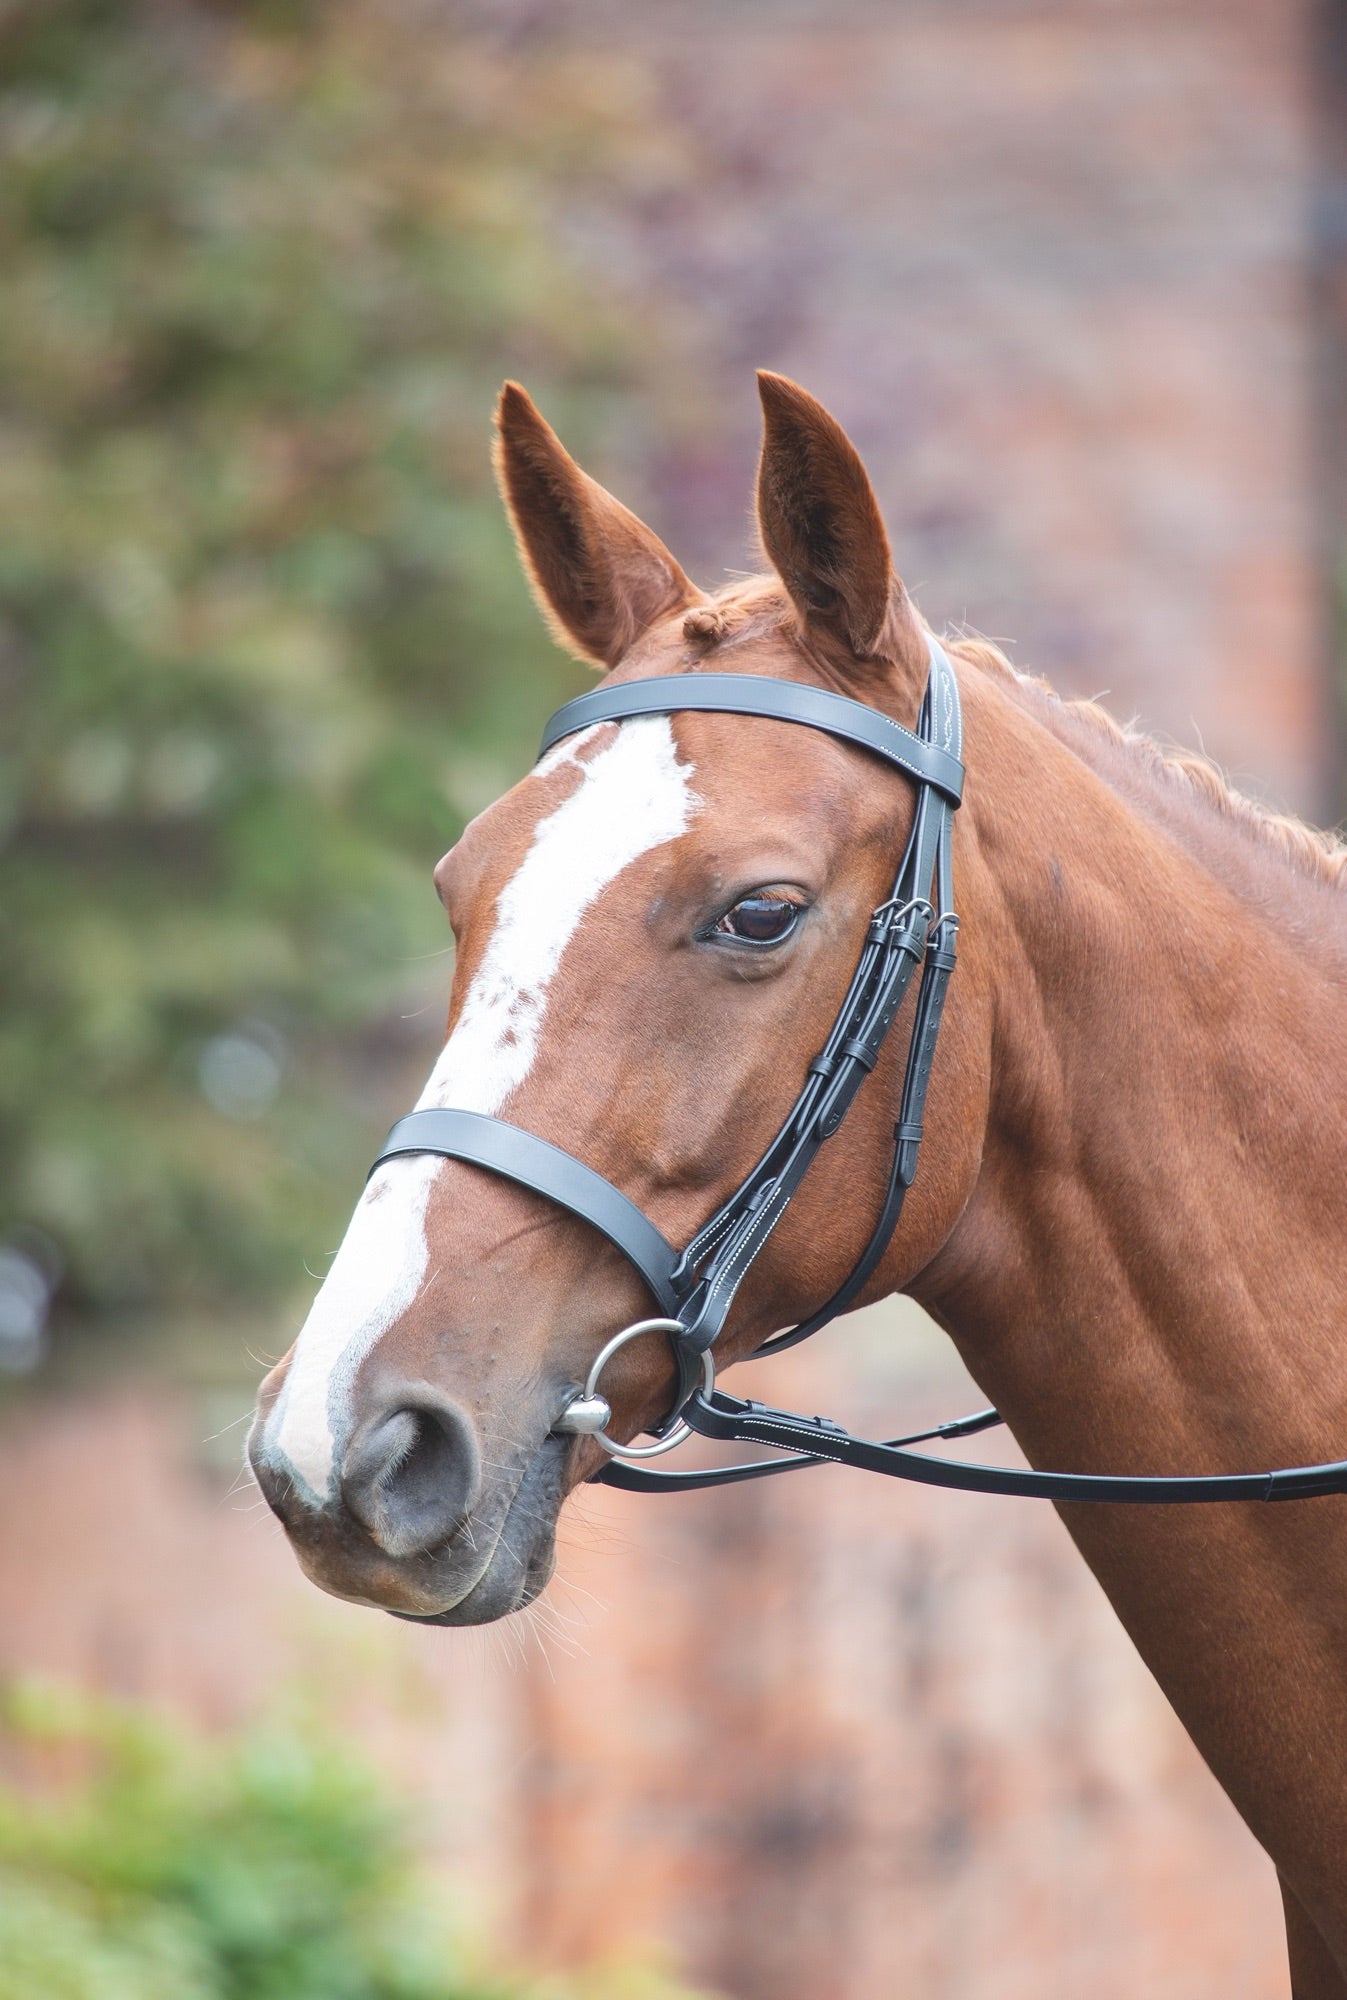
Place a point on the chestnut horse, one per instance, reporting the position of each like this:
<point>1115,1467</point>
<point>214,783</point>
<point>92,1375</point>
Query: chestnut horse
<point>1131,1214</point>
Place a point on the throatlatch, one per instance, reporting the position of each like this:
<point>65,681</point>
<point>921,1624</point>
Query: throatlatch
<point>913,927</point>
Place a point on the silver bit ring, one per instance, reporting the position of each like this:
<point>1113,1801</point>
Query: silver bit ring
<point>589,1414</point>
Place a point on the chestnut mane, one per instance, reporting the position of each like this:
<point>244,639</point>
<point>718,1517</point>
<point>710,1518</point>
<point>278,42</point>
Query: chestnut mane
<point>1308,850</point>
<point>751,606</point>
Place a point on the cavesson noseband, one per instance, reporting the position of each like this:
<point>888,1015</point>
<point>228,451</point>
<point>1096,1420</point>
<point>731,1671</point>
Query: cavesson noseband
<point>696,1287</point>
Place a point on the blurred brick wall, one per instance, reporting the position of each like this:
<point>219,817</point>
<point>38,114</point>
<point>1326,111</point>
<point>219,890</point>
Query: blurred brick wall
<point>821,1740</point>
<point>1050,264</point>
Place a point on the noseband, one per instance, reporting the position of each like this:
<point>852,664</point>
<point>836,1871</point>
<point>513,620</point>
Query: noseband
<point>915,926</point>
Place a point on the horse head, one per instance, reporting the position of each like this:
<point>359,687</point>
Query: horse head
<point>655,929</point>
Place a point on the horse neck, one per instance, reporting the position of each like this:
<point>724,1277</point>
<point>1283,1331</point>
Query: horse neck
<point>1149,1274</point>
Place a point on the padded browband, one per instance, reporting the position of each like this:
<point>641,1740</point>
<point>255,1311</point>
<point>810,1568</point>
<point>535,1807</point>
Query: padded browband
<point>779,701</point>
<point>536,1163</point>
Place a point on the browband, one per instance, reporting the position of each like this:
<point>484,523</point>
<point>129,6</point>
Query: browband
<point>779,701</point>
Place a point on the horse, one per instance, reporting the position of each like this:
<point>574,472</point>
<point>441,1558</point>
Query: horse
<point>1131,1211</point>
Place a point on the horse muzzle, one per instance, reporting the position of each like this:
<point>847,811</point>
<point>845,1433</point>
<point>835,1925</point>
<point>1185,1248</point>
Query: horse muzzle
<point>415,1521</point>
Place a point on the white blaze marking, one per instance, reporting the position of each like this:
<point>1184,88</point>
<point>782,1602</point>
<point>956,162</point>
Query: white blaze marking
<point>633,795</point>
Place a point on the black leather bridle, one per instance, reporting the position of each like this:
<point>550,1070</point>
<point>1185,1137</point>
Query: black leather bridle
<point>695,1288</point>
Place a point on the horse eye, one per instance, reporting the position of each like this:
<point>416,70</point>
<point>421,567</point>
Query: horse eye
<point>759,920</point>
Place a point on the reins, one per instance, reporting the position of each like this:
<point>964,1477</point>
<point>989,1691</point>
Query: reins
<point>914,927</point>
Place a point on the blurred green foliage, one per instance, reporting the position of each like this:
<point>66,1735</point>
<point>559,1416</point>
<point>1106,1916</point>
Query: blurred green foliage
<point>149,1866</point>
<point>263,642</point>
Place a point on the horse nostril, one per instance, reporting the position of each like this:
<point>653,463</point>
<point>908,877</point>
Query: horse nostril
<point>411,1473</point>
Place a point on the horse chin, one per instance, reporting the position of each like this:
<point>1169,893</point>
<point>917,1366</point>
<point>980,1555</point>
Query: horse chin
<point>522,1558</point>
<point>503,1587</point>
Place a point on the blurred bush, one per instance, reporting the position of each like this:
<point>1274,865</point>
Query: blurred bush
<point>263,644</point>
<point>267,1869</point>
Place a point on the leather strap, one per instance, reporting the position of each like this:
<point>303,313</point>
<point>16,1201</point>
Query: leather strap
<point>779,701</point>
<point>837,1074</point>
<point>535,1163</point>
<point>640,1479</point>
<point>735,1421</point>
<point>901,932</point>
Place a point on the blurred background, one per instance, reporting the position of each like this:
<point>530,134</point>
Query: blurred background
<point>1074,274</point>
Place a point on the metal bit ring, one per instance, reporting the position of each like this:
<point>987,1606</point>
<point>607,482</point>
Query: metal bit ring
<point>590,1414</point>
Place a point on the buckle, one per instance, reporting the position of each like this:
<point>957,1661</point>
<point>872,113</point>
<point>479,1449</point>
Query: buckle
<point>902,925</point>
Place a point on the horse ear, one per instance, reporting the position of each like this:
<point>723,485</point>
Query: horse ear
<point>824,534</point>
<point>601,577</point>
